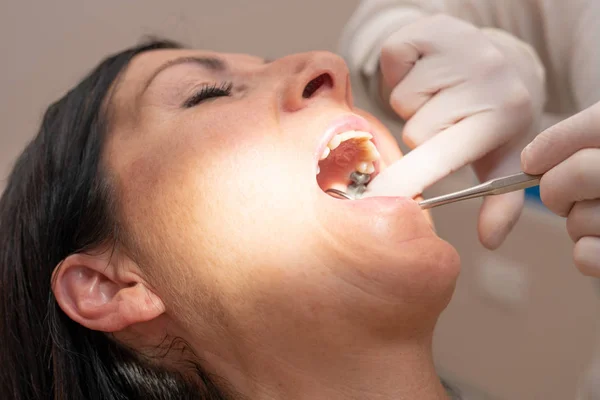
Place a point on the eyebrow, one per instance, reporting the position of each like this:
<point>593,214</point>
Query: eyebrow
<point>211,63</point>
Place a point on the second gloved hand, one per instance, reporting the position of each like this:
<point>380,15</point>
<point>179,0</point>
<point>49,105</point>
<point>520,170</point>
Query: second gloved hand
<point>466,100</point>
<point>568,155</point>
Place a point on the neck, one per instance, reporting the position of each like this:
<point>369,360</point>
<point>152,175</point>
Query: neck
<point>397,372</point>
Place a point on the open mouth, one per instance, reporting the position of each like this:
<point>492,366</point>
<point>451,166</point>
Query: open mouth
<point>347,165</point>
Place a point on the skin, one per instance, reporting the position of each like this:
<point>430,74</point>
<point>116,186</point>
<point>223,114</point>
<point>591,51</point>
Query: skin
<point>279,288</point>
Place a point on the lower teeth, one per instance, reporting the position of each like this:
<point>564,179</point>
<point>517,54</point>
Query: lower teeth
<point>356,191</point>
<point>359,184</point>
<point>359,178</point>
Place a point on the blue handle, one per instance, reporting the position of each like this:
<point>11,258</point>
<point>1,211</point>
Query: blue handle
<point>532,195</point>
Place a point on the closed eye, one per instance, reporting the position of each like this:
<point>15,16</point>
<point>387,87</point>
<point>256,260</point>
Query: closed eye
<point>208,91</point>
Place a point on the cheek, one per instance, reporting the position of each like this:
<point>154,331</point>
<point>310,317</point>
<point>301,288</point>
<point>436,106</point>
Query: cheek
<point>207,206</point>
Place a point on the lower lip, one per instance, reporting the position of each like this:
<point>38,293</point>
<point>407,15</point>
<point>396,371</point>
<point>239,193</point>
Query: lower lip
<point>383,205</point>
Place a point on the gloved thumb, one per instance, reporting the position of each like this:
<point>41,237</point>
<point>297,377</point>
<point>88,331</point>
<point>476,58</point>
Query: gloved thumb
<point>398,57</point>
<point>499,213</point>
<point>497,217</point>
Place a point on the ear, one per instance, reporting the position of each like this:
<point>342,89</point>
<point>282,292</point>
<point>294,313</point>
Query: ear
<point>99,294</point>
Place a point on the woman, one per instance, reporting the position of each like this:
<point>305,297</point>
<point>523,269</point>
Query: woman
<point>166,235</point>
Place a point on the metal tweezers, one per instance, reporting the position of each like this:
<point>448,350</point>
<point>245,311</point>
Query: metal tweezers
<point>507,184</point>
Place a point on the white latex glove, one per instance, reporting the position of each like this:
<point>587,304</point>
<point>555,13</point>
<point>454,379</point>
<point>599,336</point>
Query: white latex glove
<point>568,154</point>
<point>464,102</point>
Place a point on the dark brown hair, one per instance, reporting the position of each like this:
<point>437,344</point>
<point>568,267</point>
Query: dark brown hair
<point>59,201</point>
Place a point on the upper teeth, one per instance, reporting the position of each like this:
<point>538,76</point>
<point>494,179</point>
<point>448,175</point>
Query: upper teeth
<point>325,153</point>
<point>342,137</point>
<point>365,167</point>
<point>369,151</point>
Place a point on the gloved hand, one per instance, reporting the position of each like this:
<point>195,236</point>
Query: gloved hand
<point>568,154</point>
<point>467,98</point>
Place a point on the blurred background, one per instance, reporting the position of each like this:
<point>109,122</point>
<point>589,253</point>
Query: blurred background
<point>523,323</point>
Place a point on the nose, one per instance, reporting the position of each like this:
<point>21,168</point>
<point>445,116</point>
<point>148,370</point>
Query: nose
<point>313,76</point>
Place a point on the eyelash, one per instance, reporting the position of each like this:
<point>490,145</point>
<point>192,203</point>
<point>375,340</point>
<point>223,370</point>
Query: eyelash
<point>208,92</point>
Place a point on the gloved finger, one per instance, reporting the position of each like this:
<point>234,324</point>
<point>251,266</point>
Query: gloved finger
<point>499,214</point>
<point>586,255</point>
<point>398,57</point>
<point>497,217</point>
<point>449,107</point>
<point>562,140</point>
<point>584,219</point>
<point>428,77</point>
<point>575,179</point>
<point>439,156</point>
<point>425,37</point>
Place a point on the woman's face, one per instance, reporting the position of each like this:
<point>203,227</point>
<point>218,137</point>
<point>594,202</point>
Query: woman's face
<point>224,204</point>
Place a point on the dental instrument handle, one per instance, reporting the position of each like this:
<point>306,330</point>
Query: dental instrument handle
<point>492,187</point>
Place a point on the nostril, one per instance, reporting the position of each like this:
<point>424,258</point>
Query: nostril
<point>313,86</point>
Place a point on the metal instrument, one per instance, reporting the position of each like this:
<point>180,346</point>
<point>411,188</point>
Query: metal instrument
<point>492,187</point>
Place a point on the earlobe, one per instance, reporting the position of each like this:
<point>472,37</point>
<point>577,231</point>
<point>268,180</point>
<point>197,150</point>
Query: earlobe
<point>96,293</point>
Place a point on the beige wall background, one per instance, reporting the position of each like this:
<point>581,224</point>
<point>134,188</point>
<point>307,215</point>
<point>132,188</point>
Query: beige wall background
<point>523,323</point>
